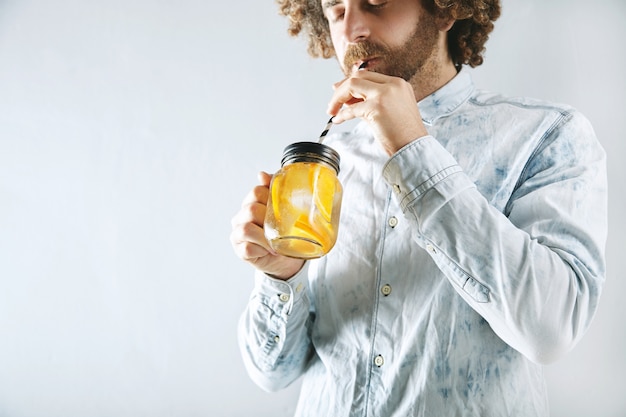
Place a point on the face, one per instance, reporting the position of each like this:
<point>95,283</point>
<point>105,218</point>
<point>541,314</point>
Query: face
<point>393,37</point>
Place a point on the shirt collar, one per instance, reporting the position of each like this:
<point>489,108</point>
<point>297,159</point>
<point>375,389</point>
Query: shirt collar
<point>448,98</point>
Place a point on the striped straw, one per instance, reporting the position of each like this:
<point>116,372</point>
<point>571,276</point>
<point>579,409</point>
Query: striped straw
<point>326,129</point>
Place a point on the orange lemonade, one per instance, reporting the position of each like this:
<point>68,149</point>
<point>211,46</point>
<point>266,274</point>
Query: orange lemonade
<point>303,210</point>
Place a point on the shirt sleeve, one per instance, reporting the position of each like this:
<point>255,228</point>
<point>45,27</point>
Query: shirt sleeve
<point>535,272</point>
<point>273,335</point>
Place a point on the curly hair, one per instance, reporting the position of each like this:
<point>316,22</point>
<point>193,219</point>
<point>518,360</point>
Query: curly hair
<point>466,40</point>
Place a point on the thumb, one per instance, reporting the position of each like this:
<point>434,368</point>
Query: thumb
<point>264,178</point>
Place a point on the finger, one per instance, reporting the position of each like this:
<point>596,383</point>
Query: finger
<point>366,75</point>
<point>350,111</point>
<point>250,251</point>
<point>346,94</point>
<point>264,178</point>
<point>258,194</point>
<point>252,213</point>
<point>251,232</point>
<point>338,84</point>
<point>357,88</point>
<point>375,77</point>
<point>248,226</point>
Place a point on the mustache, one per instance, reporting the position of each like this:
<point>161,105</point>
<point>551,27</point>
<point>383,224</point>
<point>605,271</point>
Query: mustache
<point>361,51</point>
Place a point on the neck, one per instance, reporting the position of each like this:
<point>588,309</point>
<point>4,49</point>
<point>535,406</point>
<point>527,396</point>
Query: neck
<point>436,71</point>
<point>430,78</point>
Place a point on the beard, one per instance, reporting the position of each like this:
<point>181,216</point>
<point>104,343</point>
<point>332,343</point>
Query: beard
<point>404,61</point>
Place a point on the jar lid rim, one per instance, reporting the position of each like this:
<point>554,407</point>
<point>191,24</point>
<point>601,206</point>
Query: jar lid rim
<point>311,150</point>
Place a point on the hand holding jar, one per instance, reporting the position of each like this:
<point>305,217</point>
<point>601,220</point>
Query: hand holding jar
<point>293,215</point>
<point>248,239</point>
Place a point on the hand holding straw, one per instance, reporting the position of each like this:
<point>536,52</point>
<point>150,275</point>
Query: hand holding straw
<point>330,121</point>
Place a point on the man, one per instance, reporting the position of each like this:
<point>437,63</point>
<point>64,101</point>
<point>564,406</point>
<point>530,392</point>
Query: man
<point>471,246</point>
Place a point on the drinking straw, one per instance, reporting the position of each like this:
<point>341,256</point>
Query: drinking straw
<point>326,129</point>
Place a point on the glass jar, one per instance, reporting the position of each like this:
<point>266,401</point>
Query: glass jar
<point>304,202</point>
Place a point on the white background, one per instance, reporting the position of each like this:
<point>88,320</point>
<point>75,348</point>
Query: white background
<point>130,130</point>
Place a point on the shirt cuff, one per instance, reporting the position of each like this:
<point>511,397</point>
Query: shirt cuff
<point>280,295</point>
<point>418,167</point>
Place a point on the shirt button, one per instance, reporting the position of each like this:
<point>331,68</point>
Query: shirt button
<point>393,221</point>
<point>386,289</point>
<point>284,297</point>
<point>379,361</point>
<point>430,248</point>
<point>276,339</point>
<point>397,189</point>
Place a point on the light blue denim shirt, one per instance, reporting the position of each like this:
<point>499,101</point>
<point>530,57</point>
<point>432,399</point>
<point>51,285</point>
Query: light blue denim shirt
<point>464,262</point>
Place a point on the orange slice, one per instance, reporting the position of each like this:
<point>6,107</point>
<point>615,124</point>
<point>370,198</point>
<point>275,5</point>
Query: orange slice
<point>322,182</point>
<point>277,191</point>
<point>305,229</point>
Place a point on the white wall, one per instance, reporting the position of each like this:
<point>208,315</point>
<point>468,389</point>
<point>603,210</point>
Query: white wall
<point>129,133</point>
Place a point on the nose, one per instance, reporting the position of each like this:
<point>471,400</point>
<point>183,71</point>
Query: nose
<point>355,24</point>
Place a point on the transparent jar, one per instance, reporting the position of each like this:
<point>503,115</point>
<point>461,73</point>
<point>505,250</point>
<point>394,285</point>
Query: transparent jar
<point>304,203</point>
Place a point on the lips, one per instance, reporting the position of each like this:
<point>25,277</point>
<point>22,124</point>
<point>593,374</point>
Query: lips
<point>364,63</point>
<point>362,55</point>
